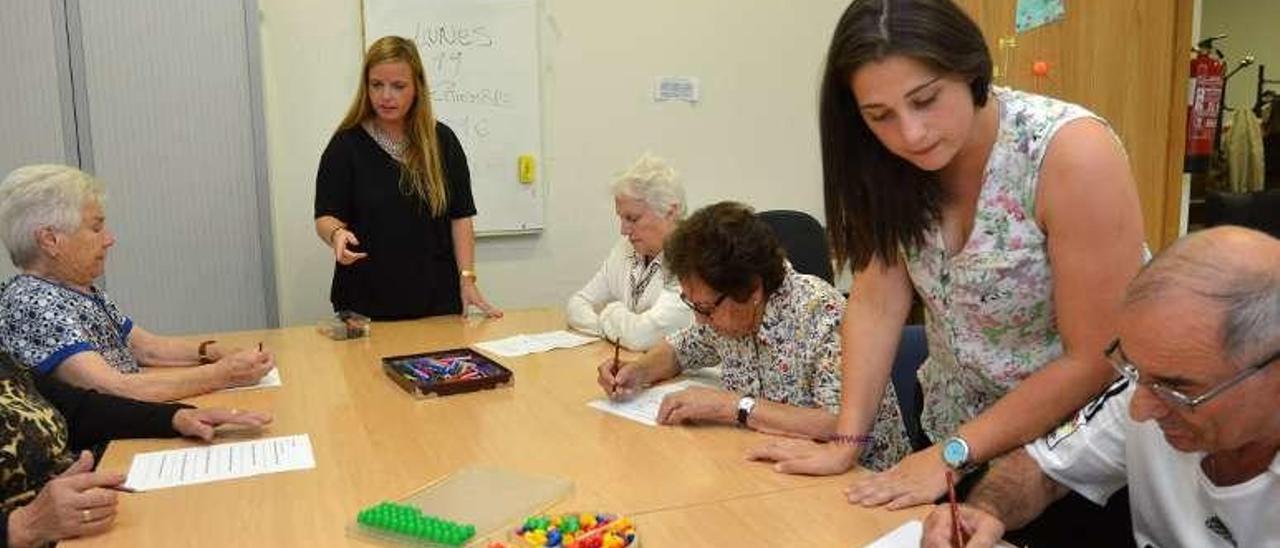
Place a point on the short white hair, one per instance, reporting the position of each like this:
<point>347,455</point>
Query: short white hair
<point>38,196</point>
<point>654,182</point>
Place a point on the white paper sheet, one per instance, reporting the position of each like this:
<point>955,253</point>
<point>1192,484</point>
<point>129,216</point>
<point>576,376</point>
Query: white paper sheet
<point>270,380</point>
<point>908,535</point>
<point>519,345</point>
<point>643,407</point>
<point>193,465</point>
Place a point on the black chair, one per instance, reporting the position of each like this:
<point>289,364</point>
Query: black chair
<point>913,348</point>
<point>804,239</point>
<point>1257,210</point>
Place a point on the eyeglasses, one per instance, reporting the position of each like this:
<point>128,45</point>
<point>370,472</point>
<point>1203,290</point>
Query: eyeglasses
<point>705,310</point>
<point>1129,371</point>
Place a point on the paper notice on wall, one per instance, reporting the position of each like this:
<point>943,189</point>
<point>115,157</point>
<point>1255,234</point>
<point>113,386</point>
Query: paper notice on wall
<point>1033,14</point>
<point>676,88</point>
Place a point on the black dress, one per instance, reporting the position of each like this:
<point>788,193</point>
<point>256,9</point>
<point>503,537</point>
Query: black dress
<point>410,271</point>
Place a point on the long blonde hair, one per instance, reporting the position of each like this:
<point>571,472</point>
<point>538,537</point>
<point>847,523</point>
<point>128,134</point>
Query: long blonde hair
<point>421,169</point>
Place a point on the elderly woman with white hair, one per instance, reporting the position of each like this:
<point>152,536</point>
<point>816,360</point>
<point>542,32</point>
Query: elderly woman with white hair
<point>54,320</point>
<point>632,300</point>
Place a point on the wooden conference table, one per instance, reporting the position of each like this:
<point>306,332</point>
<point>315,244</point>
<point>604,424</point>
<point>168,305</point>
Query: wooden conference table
<point>683,486</point>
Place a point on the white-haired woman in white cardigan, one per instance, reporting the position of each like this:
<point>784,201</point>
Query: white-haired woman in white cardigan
<point>631,299</point>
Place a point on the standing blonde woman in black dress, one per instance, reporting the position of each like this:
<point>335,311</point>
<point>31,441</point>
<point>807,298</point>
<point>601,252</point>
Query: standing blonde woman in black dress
<point>393,198</point>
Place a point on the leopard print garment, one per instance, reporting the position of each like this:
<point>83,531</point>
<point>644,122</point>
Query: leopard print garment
<point>34,447</point>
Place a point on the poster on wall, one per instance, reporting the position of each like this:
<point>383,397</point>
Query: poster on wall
<point>1032,14</point>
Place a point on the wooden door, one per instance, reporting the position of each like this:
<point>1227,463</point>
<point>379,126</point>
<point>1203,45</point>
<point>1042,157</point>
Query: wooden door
<point>1123,59</point>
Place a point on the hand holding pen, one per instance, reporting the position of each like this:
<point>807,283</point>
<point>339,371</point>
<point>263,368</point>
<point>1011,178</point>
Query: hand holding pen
<point>619,380</point>
<point>957,529</point>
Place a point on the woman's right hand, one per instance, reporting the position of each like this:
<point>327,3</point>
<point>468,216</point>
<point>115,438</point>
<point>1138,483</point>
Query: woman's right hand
<point>805,457</point>
<point>620,380</point>
<point>73,504</point>
<point>245,367</point>
<point>343,240</point>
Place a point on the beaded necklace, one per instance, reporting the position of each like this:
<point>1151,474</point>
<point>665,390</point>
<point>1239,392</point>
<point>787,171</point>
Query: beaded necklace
<point>394,148</point>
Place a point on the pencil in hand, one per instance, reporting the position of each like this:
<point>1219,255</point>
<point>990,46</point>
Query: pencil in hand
<point>617,352</point>
<point>957,531</point>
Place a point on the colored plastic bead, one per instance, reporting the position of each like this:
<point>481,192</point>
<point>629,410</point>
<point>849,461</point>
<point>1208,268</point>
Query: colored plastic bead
<point>410,521</point>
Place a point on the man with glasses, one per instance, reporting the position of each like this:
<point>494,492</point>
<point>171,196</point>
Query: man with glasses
<point>1192,424</point>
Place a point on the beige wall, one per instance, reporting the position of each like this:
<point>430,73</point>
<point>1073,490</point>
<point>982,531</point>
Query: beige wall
<point>752,138</point>
<point>1254,29</point>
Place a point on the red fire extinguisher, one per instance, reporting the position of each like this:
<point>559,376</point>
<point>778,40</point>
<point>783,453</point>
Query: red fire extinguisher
<point>1204,103</point>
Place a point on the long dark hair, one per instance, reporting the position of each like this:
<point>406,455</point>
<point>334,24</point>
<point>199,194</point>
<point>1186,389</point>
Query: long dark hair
<point>876,201</point>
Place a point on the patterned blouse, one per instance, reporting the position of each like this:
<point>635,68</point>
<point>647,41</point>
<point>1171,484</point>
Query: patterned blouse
<point>793,359</point>
<point>44,422</point>
<point>35,433</point>
<point>989,308</point>
<point>42,323</point>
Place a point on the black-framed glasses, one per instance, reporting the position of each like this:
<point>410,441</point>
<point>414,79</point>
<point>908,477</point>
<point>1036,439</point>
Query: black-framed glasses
<point>705,310</point>
<point>1121,363</point>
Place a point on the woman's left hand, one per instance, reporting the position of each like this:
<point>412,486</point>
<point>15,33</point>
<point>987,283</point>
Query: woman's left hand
<point>918,479</point>
<point>471,296</point>
<point>698,403</point>
<point>199,423</point>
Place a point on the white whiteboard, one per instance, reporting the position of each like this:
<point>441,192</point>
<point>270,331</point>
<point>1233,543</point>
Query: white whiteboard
<point>482,64</point>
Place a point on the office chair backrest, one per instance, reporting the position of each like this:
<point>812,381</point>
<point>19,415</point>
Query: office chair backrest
<point>1259,210</point>
<point>804,239</point>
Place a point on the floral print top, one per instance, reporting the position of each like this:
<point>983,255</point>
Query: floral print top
<point>989,309</point>
<point>42,323</point>
<point>794,358</point>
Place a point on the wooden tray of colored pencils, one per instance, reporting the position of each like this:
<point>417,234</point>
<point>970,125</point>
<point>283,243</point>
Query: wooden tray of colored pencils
<point>446,372</point>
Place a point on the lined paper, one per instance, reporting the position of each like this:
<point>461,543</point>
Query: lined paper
<point>519,345</point>
<point>194,465</point>
<point>643,407</point>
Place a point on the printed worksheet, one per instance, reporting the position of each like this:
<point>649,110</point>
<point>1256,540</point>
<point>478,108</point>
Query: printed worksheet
<point>193,465</point>
<point>270,380</point>
<point>643,407</point>
<point>519,345</point>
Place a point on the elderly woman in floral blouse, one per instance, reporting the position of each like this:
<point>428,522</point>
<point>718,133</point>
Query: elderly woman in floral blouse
<point>775,332</point>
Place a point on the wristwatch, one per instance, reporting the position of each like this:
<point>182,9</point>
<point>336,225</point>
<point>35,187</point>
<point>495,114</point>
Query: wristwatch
<point>955,453</point>
<point>745,406</point>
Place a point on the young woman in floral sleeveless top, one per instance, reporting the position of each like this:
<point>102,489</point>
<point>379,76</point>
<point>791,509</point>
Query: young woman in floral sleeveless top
<point>1013,216</point>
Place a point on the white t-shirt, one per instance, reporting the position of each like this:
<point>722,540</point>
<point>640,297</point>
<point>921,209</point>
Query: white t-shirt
<point>1172,502</point>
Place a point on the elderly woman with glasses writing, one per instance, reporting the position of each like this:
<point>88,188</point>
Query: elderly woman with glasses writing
<point>775,332</point>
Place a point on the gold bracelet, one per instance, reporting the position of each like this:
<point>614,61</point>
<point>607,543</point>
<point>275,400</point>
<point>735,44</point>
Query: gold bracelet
<point>468,274</point>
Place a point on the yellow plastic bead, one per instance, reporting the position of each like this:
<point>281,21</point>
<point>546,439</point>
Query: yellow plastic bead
<point>556,522</point>
<point>567,539</point>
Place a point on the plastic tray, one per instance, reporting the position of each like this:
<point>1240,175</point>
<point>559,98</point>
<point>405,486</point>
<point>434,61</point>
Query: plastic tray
<point>426,374</point>
<point>494,500</point>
